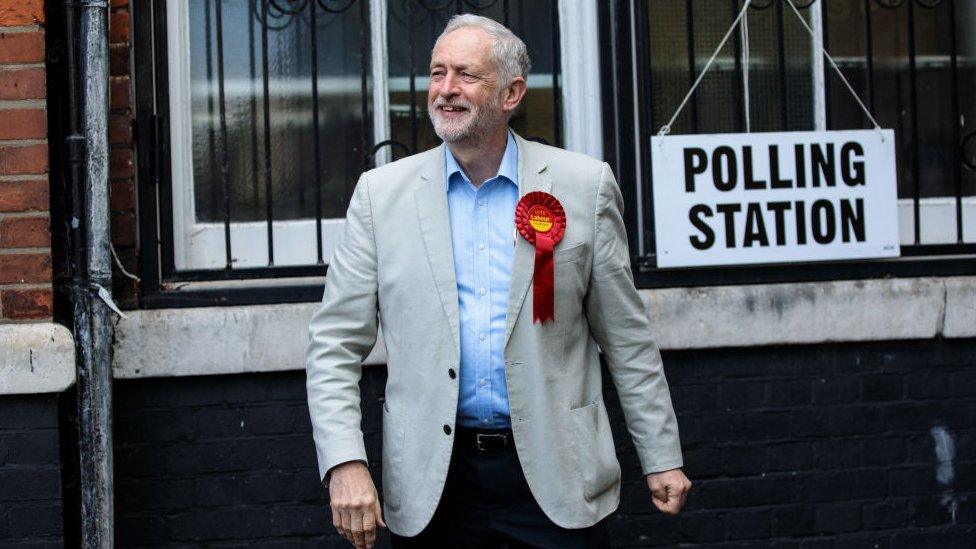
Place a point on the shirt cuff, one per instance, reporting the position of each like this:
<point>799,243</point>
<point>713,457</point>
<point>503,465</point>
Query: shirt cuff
<point>328,474</point>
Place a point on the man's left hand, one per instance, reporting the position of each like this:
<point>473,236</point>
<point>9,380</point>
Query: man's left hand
<point>669,490</point>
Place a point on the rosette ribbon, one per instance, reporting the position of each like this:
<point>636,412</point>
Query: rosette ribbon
<point>541,220</point>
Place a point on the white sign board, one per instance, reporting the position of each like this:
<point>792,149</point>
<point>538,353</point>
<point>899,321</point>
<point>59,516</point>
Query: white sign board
<point>729,199</point>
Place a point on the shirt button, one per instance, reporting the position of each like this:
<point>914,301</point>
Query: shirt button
<point>484,421</point>
<point>483,382</point>
<point>447,429</point>
<point>482,291</point>
<point>481,246</point>
<point>482,337</point>
<point>481,202</point>
<point>451,373</point>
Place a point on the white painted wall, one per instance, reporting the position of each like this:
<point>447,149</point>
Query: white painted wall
<point>224,340</point>
<point>39,358</point>
<point>36,358</point>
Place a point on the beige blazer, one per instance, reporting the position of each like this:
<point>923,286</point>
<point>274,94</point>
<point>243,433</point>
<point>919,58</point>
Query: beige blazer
<point>395,263</point>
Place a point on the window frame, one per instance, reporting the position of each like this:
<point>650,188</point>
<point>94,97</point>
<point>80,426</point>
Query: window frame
<point>627,142</point>
<point>165,280</point>
<point>199,247</point>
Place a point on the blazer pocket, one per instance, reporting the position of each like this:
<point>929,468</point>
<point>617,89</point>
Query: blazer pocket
<point>595,450</point>
<point>570,254</point>
<point>569,284</point>
<point>393,433</point>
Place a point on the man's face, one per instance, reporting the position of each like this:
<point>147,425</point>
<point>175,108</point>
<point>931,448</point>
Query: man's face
<point>464,98</point>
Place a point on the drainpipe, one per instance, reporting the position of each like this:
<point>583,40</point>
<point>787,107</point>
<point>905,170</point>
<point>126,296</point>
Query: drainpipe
<point>87,155</point>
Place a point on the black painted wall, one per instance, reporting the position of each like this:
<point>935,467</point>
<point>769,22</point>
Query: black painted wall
<point>30,472</point>
<point>802,447</point>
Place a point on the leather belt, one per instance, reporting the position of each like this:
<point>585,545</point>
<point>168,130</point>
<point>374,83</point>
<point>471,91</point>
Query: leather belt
<point>487,441</point>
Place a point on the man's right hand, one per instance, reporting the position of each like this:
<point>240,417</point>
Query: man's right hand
<point>355,504</point>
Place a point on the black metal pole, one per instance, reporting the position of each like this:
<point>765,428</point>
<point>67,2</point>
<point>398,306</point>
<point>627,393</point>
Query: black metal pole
<point>954,121</point>
<point>692,61</point>
<point>87,151</point>
<point>868,54</point>
<point>364,120</point>
<point>222,144</point>
<point>781,45</point>
<point>913,102</point>
<point>557,104</point>
<point>414,124</point>
<point>265,77</point>
<point>316,132</point>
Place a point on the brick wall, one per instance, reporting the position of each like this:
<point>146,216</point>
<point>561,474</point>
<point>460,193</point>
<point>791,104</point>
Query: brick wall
<point>26,161</point>
<point>30,482</point>
<point>819,446</point>
<point>793,447</point>
<point>205,459</point>
<point>25,236</point>
<point>30,461</point>
<point>122,165</point>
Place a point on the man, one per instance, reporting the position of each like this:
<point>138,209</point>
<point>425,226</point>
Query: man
<point>494,426</point>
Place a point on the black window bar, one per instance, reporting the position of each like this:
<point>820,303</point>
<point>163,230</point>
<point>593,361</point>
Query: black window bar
<point>412,27</point>
<point>631,45</point>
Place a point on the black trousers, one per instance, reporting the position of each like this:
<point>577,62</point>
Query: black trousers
<point>487,504</point>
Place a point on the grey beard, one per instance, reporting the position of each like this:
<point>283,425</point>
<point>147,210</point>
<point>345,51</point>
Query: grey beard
<point>484,121</point>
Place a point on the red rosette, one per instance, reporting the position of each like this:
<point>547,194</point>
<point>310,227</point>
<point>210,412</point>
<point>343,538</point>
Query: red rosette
<point>541,220</point>
<point>532,202</point>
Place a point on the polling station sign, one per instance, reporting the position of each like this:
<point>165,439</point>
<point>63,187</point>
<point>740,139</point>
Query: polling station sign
<point>730,199</point>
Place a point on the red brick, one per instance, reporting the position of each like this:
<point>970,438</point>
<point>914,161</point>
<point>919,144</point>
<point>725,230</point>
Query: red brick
<point>23,123</point>
<point>118,27</point>
<point>124,289</point>
<point>120,128</point>
<point>123,196</point>
<point>125,292</point>
<point>120,164</point>
<point>25,268</point>
<point>15,13</point>
<point>127,256</point>
<point>118,60</point>
<point>24,196</point>
<point>25,232</point>
<point>23,304</point>
<point>23,159</point>
<point>119,92</point>
<point>22,84</point>
<point>22,47</point>
<point>124,230</point>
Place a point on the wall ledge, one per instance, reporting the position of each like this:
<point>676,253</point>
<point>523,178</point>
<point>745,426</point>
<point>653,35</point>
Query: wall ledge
<point>813,312</point>
<point>36,358</point>
<point>262,338</point>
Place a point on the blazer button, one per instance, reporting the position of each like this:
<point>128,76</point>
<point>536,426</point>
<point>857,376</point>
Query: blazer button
<point>447,429</point>
<point>452,373</point>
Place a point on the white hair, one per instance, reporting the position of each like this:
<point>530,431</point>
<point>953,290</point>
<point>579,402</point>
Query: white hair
<point>509,55</point>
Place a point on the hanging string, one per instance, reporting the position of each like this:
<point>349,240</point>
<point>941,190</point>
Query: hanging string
<point>118,263</point>
<point>834,65</point>
<point>666,129</point>
<point>744,37</point>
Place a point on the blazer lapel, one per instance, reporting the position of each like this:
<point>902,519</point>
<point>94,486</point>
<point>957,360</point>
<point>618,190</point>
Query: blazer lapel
<point>533,176</point>
<point>435,225</point>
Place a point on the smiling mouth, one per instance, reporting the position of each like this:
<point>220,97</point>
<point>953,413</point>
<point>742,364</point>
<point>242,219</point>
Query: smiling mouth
<point>448,108</point>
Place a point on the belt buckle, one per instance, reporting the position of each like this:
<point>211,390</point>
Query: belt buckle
<point>477,441</point>
<point>480,437</point>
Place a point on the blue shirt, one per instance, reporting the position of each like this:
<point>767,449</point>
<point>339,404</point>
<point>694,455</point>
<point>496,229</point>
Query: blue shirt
<point>482,233</point>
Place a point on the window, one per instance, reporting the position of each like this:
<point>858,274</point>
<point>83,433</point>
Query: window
<point>268,120</point>
<point>269,110</point>
<point>912,61</point>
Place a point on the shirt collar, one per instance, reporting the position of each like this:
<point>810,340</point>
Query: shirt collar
<point>507,169</point>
